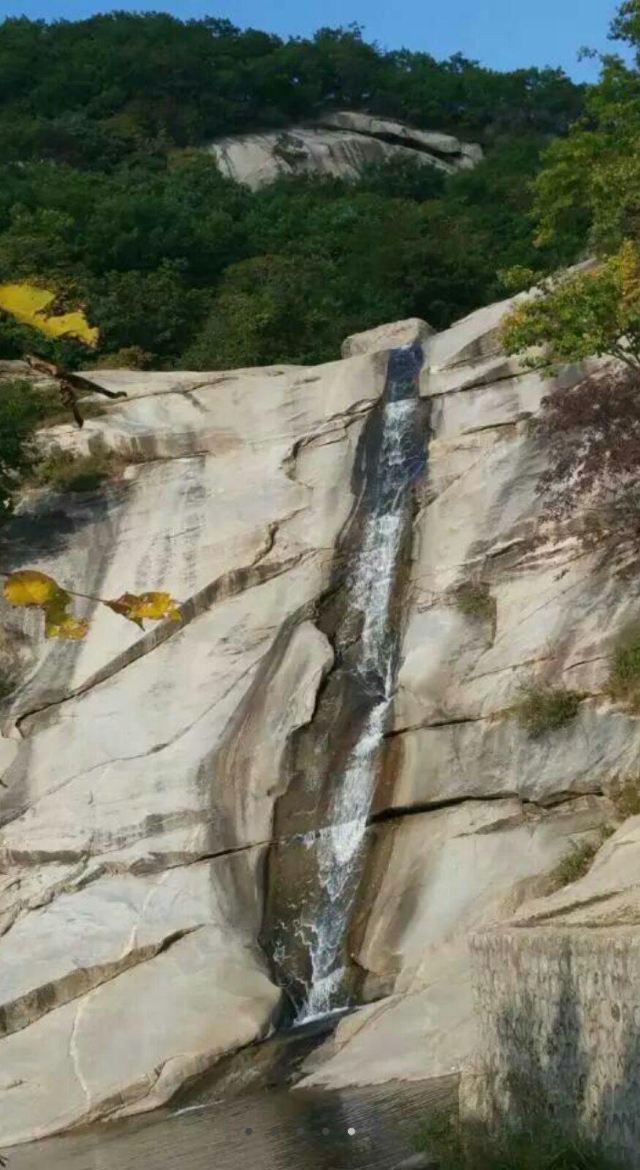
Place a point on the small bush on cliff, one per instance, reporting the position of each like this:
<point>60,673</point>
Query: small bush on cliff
<point>626,798</point>
<point>458,1146</point>
<point>474,600</point>
<point>624,677</point>
<point>575,865</point>
<point>543,708</point>
<point>66,472</point>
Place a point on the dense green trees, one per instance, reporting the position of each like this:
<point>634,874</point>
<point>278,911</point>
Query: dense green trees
<point>105,192</point>
<point>588,203</point>
<point>587,313</point>
<point>588,189</point>
<point>99,90</point>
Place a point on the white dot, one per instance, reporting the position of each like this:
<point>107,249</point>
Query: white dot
<point>351,1131</point>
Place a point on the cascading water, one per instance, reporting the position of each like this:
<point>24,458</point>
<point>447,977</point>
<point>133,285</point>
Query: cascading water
<point>318,911</point>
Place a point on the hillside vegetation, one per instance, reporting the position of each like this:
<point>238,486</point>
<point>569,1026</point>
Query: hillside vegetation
<point>107,195</point>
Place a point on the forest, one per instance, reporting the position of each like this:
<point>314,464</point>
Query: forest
<point>108,195</point>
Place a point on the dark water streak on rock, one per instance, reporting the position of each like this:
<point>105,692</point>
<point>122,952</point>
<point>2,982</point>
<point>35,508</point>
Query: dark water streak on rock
<point>301,901</point>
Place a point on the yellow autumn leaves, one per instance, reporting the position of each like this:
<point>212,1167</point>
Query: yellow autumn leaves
<point>29,304</point>
<point>152,606</point>
<point>29,587</point>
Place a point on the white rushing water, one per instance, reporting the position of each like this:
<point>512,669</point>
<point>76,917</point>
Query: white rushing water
<point>371,589</point>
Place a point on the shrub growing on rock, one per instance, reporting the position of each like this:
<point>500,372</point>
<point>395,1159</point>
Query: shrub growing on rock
<point>474,600</point>
<point>575,865</point>
<point>66,472</point>
<point>582,315</point>
<point>626,798</point>
<point>624,677</point>
<point>543,708</point>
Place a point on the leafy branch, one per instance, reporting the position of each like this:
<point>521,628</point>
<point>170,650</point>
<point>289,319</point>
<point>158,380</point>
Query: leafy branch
<point>593,313</point>
<point>30,588</point>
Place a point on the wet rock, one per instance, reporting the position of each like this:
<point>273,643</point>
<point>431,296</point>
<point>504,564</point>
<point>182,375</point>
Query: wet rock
<point>432,878</point>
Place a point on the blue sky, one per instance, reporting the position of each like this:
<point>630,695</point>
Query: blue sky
<point>501,33</point>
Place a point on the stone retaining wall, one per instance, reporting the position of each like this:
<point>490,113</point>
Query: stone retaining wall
<point>559,1019</point>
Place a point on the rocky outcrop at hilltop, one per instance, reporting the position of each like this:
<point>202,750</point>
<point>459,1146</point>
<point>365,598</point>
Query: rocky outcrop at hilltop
<point>141,773</point>
<point>338,144</point>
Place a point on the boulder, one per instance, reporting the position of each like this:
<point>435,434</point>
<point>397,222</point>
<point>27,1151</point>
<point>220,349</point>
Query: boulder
<point>340,143</point>
<point>385,337</point>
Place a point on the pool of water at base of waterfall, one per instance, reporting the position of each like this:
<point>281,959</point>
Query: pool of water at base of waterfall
<point>274,1129</point>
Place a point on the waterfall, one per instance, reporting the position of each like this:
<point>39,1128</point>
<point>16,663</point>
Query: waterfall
<point>371,585</point>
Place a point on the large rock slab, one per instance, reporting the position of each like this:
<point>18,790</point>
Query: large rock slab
<point>554,617</point>
<point>126,1046</point>
<point>340,144</point>
<point>442,874</point>
<point>384,337</point>
<point>554,613</point>
<point>140,770</point>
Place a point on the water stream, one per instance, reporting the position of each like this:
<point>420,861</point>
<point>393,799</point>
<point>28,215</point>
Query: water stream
<point>371,586</point>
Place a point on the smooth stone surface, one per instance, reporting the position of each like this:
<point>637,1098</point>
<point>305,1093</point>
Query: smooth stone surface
<point>341,143</point>
<point>385,337</point>
<point>140,770</point>
<point>443,874</point>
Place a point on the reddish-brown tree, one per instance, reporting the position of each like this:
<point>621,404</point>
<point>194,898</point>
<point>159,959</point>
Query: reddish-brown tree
<point>591,433</point>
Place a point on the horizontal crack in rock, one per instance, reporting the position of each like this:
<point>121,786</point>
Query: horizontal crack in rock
<point>424,807</point>
<point>228,585</point>
<point>19,1013</point>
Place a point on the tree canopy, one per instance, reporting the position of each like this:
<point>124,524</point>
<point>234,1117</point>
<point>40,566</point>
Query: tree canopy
<point>107,195</point>
<point>588,203</point>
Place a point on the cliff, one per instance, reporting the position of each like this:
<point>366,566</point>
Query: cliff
<point>153,783</point>
<point>338,144</point>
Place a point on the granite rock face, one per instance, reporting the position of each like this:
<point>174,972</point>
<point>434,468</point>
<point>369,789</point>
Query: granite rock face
<point>140,771</point>
<point>339,144</point>
<point>519,805</point>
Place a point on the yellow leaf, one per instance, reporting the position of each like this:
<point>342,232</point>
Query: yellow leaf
<point>28,303</point>
<point>152,606</point>
<point>30,587</point>
<point>59,623</point>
